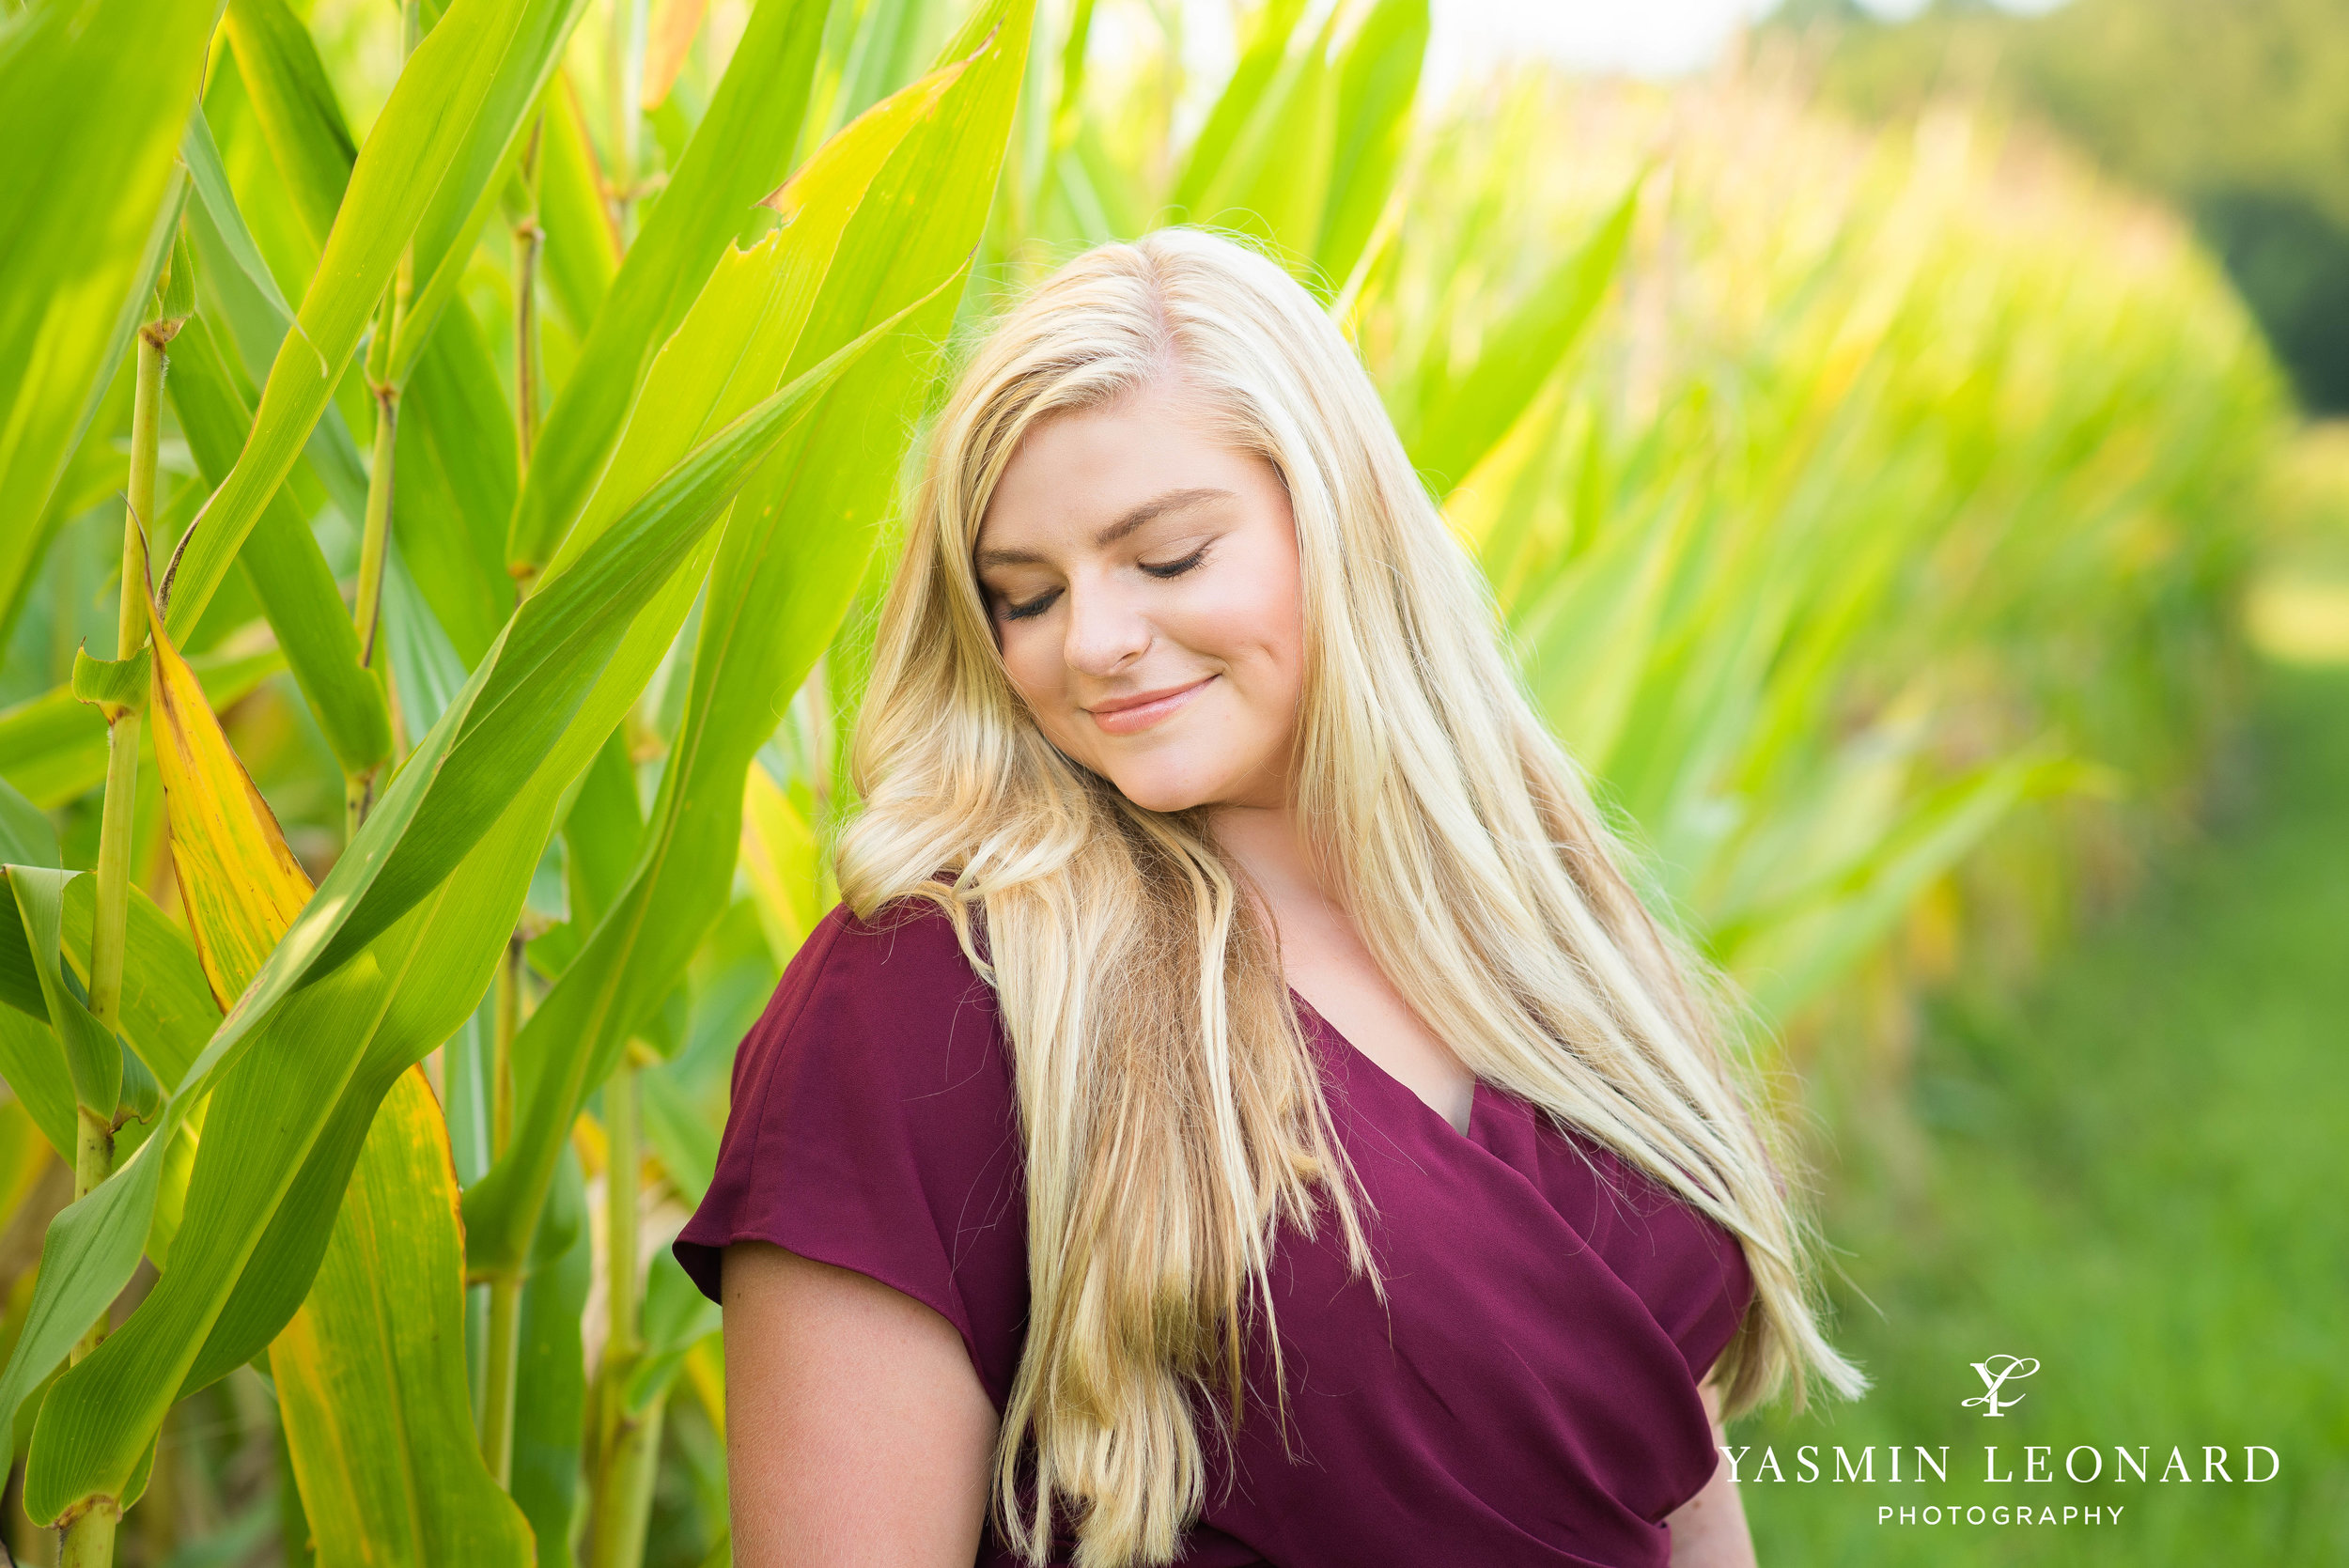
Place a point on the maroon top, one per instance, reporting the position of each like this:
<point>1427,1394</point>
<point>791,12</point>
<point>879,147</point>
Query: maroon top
<point>1528,1397</point>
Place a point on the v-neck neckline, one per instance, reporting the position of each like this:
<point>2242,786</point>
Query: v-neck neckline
<point>1477,1087</point>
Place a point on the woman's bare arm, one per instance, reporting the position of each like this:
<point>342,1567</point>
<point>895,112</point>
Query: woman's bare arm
<point>857,1432</point>
<point>1709,1529</point>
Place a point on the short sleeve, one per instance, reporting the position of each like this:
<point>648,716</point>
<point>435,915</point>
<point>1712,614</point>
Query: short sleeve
<point>874,1127</point>
<point>1689,1269</point>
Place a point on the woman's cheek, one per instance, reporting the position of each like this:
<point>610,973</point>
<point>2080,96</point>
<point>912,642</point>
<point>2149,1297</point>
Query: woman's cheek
<point>1034,676</point>
<point>1033,662</point>
<point>1062,723</point>
<point>1254,625</point>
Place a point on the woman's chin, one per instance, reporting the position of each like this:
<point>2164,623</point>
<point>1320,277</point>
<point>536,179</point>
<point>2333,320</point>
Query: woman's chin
<point>1166,791</point>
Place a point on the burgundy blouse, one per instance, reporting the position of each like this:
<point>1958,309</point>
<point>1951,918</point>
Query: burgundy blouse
<point>1528,1396</point>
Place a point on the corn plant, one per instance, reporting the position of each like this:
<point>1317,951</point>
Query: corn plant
<point>747,350</point>
<point>484,426</point>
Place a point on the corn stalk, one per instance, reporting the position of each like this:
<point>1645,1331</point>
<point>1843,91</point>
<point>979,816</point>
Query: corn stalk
<point>88,1536</point>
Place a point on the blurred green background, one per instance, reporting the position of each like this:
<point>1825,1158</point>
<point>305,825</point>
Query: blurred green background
<point>2128,1166</point>
<point>1909,457</point>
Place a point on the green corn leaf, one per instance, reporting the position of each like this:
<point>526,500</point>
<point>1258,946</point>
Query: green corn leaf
<point>168,1009</point>
<point>582,254</point>
<point>741,152</point>
<point>256,1211</point>
<point>100,1074</point>
<point>1590,634</point>
<point>295,105</point>
<point>30,1058</point>
<point>27,837</point>
<point>1460,422</point>
<point>1274,182</point>
<point>458,468</point>
<point>530,689</point>
<point>88,210</point>
<point>430,962</point>
<point>468,192</point>
<point>679,1130</point>
<point>601,833</point>
<point>1109,206</point>
<point>93,1059</point>
<point>676,1317</point>
<point>783,861</point>
<point>100,468</point>
<point>174,289</point>
<point>112,686</point>
<point>250,321</point>
<point>52,747</point>
<point>770,612</point>
<point>96,466</point>
<point>370,1373</point>
<point>1810,947</point>
<point>288,573</point>
<point>88,1255</point>
<point>1378,79</point>
<point>208,185</point>
<point>438,116</point>
<point>884,55</point>
<point>1741,586</point>
<point>551,1381</point>
<point>28,1050</point>
<point>1268,40</point>
<point>304,125</point>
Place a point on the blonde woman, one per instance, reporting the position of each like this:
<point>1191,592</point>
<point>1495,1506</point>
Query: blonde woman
<point>1242,1113</point>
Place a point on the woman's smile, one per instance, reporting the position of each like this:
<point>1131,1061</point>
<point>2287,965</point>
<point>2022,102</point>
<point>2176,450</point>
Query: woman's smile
<point>1131,715</point>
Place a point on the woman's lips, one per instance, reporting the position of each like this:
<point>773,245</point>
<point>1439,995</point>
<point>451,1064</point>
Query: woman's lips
<point>1130,715</point>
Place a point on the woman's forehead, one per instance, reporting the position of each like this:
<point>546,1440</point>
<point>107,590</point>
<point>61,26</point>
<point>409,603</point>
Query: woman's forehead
<point>1090,479</point>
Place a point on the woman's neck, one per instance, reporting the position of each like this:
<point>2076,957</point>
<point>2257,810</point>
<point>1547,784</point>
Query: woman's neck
<point>1326,962</point>
<point>1267,845</point>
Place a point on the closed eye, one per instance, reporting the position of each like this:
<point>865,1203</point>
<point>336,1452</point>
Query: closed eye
<point>1036,606</point>
<point>1176,569</point>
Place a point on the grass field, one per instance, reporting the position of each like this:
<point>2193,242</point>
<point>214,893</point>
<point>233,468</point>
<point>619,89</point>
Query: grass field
<point>2134,1173</point>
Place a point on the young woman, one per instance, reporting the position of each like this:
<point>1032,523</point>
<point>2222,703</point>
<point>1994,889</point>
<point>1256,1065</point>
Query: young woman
<point>1242,1113</point>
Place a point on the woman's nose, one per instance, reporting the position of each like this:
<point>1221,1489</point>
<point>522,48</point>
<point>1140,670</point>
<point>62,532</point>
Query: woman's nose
<point>1106,633</point>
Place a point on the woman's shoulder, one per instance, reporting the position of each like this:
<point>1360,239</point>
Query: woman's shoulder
<point>900,966</point>
<point>873,1126</point>
<point>889,998</point>
<point>911,939</point>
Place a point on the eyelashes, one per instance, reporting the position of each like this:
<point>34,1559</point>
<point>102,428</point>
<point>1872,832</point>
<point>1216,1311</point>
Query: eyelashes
<point>1043,602</point>
<point>1176,568</point>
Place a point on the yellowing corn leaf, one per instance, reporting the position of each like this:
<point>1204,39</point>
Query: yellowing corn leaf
<point>372,1371</point>
<point>780,857</point>
<point>241,884</point>
<point>664,54</point>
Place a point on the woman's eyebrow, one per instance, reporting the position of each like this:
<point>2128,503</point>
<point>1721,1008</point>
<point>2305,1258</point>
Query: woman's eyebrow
<point>1156,506</point>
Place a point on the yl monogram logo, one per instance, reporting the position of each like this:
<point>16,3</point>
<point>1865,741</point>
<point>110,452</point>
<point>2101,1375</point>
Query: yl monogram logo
<point>1994,1377</point>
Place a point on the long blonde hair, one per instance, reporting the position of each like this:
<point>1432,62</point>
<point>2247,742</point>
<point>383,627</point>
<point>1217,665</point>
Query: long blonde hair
<point>1171,1110</point>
